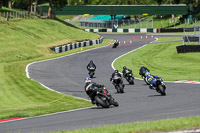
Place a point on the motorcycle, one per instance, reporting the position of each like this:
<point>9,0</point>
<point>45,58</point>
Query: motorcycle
<point>104,99</point>
<point>129,77</point>
<point>159,86</point>
<point>118,83</point>
<point>91,72</point>
<point>115,45</point>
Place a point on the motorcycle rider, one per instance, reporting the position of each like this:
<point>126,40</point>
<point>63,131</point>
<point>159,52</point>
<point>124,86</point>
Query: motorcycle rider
<point>126,71</point>
<point>143,69</point>
<point>116,43</point>
<point>90,65</point>
<point>90,87</point>
<point>151,80</point>
<point>116,73</point>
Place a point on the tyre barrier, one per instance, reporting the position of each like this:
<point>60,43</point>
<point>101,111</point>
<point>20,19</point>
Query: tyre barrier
<point>67,47</point>
<point>191,38</point>
<point>188,48</point>
<point>119,30</point>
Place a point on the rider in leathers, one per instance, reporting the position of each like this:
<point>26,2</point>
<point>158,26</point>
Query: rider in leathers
<point>91,87</point>
<point>151,79</point>
<point>126,71</point>
<point>116,73</point>
<point>143,69</point>
<point>91,64</point>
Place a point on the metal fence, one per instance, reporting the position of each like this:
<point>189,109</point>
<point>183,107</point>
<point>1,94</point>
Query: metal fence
<point>114,24</point>
<point>194,38</point>
<point>11,15</point>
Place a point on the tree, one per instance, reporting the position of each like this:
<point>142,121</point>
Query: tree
<point>58,4</point>
<point>1,4</point>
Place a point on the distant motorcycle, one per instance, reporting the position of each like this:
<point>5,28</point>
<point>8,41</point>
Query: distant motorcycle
<point>118,83</point>
<point>91,72</point>
<point>159,85</point>
<point>115,44</point>
<point>129,77</point>
<point>104,99</point>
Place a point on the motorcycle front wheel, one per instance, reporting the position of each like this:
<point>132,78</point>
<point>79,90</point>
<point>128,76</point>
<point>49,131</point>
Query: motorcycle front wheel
<point>161,89</point>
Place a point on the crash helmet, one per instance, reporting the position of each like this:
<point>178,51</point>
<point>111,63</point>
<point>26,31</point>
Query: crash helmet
<point>88,80</point>
<point>116,71</point>
<point>142,65</point>
<point>91,61</point>
<point>124,67</point>
<point>147,74</point>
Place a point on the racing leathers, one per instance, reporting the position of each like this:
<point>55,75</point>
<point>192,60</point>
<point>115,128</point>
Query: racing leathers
<point>126,71</point>
<point>151,79</point>
<point>143,70</point>
<point>91,87</point>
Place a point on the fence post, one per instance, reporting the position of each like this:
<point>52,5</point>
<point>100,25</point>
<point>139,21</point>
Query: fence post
<point>199,36</point>
<point>7,16</point>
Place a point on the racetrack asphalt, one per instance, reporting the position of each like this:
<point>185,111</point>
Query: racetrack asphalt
<point>138,103</point>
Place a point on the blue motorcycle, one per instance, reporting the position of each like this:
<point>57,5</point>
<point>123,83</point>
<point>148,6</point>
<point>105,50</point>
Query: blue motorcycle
<point>157,84</point>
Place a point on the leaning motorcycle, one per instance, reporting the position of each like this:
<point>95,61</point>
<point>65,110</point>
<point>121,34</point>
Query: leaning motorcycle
<point>129,77</point>
<point>91,72</point>
<point>118,83</point>
<point>104,99</point>
<point>160,86</point>
<point>115,45</point>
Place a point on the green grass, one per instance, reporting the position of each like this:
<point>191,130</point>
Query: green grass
<point>163,60</point>
<point>145,127</point>
<point>160,39</point>
<point>26,41</point>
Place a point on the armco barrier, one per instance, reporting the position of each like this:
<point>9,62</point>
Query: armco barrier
<point>188,48</point>
<point>68,47</point>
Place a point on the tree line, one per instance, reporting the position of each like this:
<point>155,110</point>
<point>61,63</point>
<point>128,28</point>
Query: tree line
<point>29,4</point>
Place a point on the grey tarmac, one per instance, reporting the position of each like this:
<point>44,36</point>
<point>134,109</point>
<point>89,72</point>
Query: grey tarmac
<point>138,103</point>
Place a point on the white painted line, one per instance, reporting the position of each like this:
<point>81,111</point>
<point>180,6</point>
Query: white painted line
<point>27,74</point>
<point>49,114</point>
<point>179,82</point>
<point>187,131</point>
<point>112,65</point>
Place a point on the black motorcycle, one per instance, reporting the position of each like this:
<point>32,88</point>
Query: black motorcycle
<point>104,99</point>
<point>118,83</point>
<point>129,77</point>
<point>115,44</point>
<point>91,72</point>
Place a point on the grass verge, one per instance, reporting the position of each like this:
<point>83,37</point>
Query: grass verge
<point>145,127</point>
<point>163,60</point>
<point>160,39</point>
<point>26,41</point>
